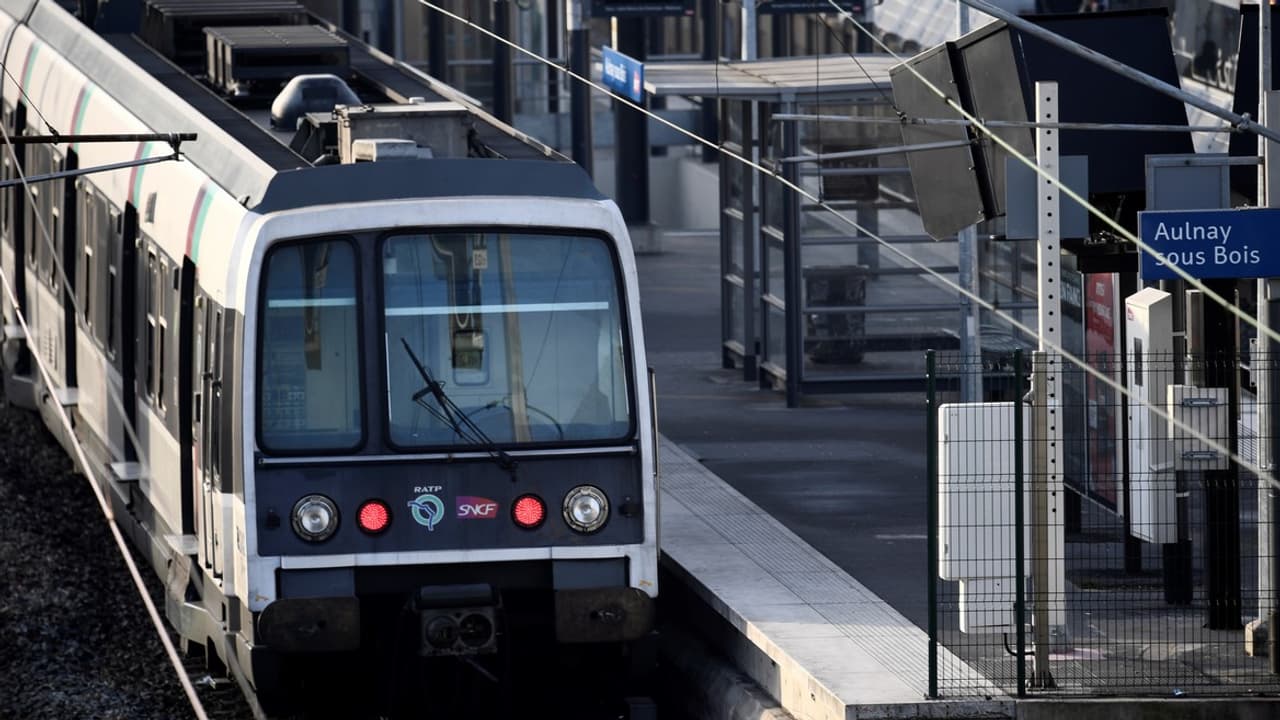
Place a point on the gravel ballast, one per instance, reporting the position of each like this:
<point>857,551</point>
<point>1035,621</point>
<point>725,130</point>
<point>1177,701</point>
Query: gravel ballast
<point>75,637</point>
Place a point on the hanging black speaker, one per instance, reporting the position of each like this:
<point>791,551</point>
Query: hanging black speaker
<point>992,74</point>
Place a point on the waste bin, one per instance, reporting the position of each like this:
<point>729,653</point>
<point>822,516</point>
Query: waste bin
<point>835,337</point>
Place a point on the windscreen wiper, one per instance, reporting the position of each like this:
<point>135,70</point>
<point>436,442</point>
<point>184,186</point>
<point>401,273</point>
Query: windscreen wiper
<point>454,417</point>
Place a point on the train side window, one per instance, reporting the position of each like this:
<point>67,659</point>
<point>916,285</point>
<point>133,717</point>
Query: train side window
<point>35,165</point>
<point>53,243</point>
<point>6,172</point>
<point>149,289</point>
<point>111,321</point>
<point>86,232</point>
<point>102,242</point>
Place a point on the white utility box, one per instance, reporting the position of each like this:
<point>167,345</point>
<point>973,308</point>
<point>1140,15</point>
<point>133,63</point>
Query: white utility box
<point>976,514</point>
<point>1152,491</point>
<point>1205,411</point>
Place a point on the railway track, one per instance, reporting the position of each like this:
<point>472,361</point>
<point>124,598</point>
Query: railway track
<point>77,641</point>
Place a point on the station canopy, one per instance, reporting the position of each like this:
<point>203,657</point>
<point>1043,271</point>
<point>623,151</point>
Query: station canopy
<point>795,79</point>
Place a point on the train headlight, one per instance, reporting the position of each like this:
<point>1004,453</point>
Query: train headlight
<point>586,508</point>
<point>315,518</point>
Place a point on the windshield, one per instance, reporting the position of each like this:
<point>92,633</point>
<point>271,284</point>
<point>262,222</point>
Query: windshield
<point>522,331</point>
<point>310,366</point>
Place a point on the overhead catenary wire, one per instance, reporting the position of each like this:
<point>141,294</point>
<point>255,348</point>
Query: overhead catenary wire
<point>78,449</point>
<point>1106,380</point>
<point>1123,232</point>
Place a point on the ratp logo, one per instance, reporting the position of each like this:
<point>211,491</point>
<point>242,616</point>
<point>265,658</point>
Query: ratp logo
<point>428,511</point>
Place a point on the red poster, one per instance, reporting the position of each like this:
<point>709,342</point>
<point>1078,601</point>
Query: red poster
<point>1103,411</point>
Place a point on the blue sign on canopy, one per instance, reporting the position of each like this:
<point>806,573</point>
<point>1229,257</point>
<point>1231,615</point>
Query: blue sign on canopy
<point>623,75</point>
<point>1211,243</point>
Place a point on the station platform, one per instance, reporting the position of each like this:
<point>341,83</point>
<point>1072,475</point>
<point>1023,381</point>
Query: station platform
<point>814,638</point>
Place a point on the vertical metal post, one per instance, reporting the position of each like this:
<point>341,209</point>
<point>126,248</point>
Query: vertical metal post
<point>555,49</point>
<point>437,58</point>
<point>793,288</point>
<point>750,241</point>
<point>1019,525</point>
<point>967,278</point>
<point>1040,453</point>
<point>1048,437</point>
<point>397,29</point>
<point>1269,380</point>
<point>749,33</point>
<point>710,11</point>
<point>1178,583</point>
<point>931,495</point>
<point>503,85</point>
<point>970,346</point>
<point>575,18</point>
<point>1222,487</point>
<point>631,134</point>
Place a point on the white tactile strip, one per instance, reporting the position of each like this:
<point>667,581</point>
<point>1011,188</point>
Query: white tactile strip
<point>841,652</point>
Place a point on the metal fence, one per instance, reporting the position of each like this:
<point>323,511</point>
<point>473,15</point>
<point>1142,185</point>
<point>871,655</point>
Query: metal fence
<point>1145,553</point>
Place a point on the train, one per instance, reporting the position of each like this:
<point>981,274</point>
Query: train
<point>362,372</point>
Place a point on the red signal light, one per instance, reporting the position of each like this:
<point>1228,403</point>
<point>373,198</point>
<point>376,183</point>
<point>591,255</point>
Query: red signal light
<point>374,516</point>
<point>529,511</point>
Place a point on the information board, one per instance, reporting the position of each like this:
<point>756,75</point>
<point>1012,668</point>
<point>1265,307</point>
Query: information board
<point>641,8</point>
<point>1211,243</point>
<point>622,74</point>
<point>783,7</point>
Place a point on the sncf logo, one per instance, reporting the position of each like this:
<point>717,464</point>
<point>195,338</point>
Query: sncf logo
<point>476,508</point>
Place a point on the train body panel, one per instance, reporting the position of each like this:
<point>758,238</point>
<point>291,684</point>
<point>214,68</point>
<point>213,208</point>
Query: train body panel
<point>246,349</point>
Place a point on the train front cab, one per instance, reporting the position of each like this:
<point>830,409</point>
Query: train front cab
<point>452,451</point>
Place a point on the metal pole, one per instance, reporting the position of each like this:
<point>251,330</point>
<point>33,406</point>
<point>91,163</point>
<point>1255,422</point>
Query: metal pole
<point>1019,523</point>
<point>437,58</point>
<point>967,278</point>
<point>931,495</point>
<point>503,85</point>
<point>631,134</point>
<point>749,33</point>
<point>1222,487</point>
<point>1041,433</point>
<point>575,18</point>
<point>793,288</point>
<point>710,128</point>
<point>1119,68</point>
<point>1047,479</point>
<point>555,49</point>
<point>1269,378</point>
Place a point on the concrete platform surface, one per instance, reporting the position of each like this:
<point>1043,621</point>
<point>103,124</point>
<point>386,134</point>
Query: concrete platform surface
<point>818,641</point>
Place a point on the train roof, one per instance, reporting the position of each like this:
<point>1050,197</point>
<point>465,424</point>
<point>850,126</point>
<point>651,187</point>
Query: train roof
<point>444,177</point>
<point>239,154</point>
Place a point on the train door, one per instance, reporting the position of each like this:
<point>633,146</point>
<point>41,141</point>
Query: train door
<point>123,295</point>
<point>186,392</point>
<point>65,276</point>
<point>199,400</point>
<point>13,216</point>
<point>210,437</point>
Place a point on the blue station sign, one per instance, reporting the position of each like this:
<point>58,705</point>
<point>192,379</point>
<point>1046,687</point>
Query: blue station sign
<point>623,75</point>
<point>1211,243</point>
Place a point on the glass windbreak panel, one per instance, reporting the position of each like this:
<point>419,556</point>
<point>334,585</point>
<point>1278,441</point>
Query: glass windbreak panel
<point>310,397</point>
<point>775,349</point>
<point>522,331</point>
<point>777,269</point>
<point>736,329</point>
<point>772,210</point>
<point>733,236</point>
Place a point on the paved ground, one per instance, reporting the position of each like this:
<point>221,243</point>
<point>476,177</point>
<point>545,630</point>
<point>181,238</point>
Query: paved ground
<point>845,473</point>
